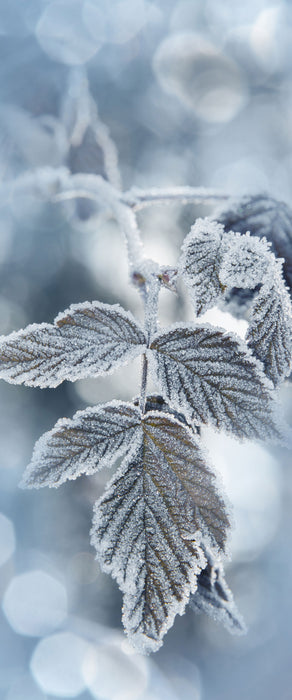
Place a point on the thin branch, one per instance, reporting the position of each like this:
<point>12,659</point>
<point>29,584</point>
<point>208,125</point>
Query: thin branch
<point>128,223</point>
<point>137,198</point>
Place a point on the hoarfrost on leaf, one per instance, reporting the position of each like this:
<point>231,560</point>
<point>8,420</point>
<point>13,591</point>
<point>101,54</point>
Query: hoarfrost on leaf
<point>212,376</point>
<point>214,598</point>
<point>87,339</point>
<point>270,331</point>
<point>149,525</point>
<point>245,260</point>
<point>93,438</point>
<point>262,216</point>
<point>200,263</point>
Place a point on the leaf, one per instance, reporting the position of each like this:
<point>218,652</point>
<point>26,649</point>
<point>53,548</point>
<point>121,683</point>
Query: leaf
<point>245,260</point>
<point>149,524</point>
<point>200,263</point>
<point>87,339</point>
<point>270,332</point>
<point>214,598</point>
<point>263,216</point>
<point>93,438</point>
<point>212,377</point>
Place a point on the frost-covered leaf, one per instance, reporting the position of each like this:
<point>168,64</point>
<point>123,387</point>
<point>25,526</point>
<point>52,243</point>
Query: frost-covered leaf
<point>149,525</point>
<point>263,216</point>
<point>87,339</point>
<point>270,331</point>
<point>214,598</point>
<point>93,438</point>
<point>200,263</point>
<point>212,376</point>
<point>245,260</point>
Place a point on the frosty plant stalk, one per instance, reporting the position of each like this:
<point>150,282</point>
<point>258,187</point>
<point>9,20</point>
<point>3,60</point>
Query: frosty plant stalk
<point>160,529</point>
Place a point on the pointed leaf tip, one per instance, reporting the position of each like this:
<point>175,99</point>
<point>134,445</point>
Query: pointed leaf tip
<point>214,598</point>
<point>148,526</point>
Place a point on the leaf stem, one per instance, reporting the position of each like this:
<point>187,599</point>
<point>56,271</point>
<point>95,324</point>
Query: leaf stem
<point>152,288</point>
<point>151,305</point>
<point>142,400</point>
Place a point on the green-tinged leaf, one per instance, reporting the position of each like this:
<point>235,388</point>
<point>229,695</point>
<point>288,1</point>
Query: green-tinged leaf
<point>87,339</point>
<point>149,525</point>
<point>212,376</point>
<point>93,438</point>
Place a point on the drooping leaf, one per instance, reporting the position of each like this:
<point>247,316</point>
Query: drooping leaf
<point>270,331</point>
<point>262,216</point>
<point>211,376</point>
<point>87,339</point>
<point>93,438</point>
<point>214,598</point>
<point>149,525</point>
<point>200,263</point>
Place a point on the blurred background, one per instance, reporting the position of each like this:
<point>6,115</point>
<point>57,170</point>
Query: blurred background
<point>195,92</point>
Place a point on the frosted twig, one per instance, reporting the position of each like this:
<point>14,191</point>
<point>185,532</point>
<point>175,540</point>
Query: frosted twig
<point>139,198</point>
<point>80,113</point>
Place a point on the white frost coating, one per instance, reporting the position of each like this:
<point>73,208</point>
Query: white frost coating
<point>263,216</point>
<point>87,339</point>
<point>147,527</point>
<point>245,260</point>
<point>214,598</point>
<point>200,263</point>
<point>270,332</point>
<point>92,439</point>
<point>213,377</point>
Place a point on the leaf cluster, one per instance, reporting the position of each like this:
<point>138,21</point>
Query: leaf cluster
<point>162,524</point>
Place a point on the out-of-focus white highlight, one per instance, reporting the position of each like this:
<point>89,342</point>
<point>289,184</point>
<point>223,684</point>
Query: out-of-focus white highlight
<point>111,674</point>
<point>35,603</point>
<point>24,688</point>
<point>209,83</point>
<point>266,32</point>
<point>7,539</point>
<point>56,664</point>
<point>223,319</point>
<point>252,483</point>
<point>63,34</point>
